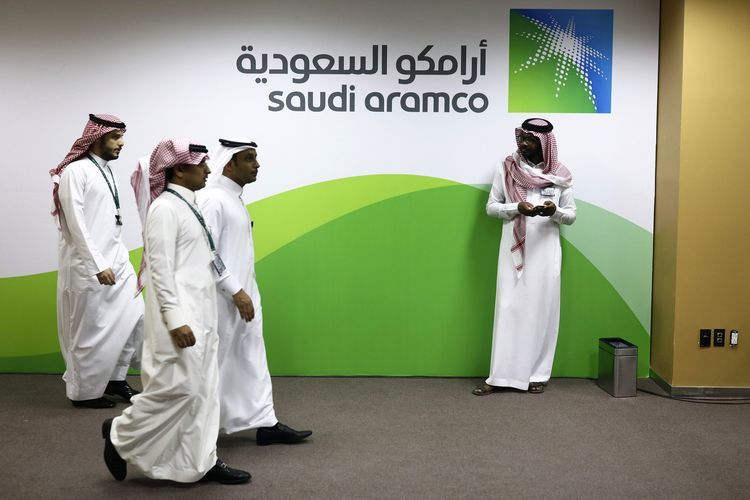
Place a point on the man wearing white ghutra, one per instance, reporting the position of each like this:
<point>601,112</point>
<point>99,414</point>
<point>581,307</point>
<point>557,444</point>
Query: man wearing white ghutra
<point>245,389</point>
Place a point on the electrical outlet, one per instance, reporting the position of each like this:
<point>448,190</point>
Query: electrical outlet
<point>719,334</point>
<point>734,337</point>
<point>705,337</point>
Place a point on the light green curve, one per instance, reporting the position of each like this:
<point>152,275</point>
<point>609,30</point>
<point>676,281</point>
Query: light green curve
<point>621,250</point>
<point>341,196</point>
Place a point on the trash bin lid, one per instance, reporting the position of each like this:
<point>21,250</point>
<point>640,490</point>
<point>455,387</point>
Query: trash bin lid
<point>618,346</point>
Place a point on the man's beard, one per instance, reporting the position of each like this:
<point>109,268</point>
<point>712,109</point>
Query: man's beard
<point>109,156</point>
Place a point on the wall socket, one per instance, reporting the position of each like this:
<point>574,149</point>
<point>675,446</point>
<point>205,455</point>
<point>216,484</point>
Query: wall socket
<point>719,336</point>
<point>734,337</point>
<point>705,337</point>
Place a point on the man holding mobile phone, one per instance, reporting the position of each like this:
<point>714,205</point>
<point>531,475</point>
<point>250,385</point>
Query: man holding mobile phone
<point>532,192</point>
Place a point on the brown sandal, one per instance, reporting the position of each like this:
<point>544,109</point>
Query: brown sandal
<point>536,387</point>
<point>485,390</point>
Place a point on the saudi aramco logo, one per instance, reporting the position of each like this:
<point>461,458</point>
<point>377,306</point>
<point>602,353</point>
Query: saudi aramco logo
<point>560,61</point>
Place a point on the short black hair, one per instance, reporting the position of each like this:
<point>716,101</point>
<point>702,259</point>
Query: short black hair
<point>169,174</point>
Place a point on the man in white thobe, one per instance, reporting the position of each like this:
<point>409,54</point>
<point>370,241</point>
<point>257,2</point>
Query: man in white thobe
<point>532,192</point>
<point>99,313</point>
<point>170,430</point>
<point>244,380</point>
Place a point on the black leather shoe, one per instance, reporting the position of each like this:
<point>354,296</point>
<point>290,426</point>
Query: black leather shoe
<point>93,403</point>
<point>222,473</point>
<point>120,388</point>
<point>280,434</point>
<point>116,465</point>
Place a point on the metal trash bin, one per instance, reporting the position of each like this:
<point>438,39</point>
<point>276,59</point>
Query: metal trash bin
<point>618,363</point>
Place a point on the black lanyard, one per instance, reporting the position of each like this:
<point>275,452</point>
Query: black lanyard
<point>197,216</point>
<point>115,194</point>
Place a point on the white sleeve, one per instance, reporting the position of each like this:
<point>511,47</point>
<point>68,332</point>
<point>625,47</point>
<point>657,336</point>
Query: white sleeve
<point>496,204</point>
<point>566,211</point>
<point>212,212</point>
<point>160,241</point>
<point>71,194</point>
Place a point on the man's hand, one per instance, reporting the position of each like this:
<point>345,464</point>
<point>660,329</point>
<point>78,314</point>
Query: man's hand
<point>183,336</point>
<point>106,277</point>
<point>527,209</point>
<point>547,209</point>
<point>244,305</point>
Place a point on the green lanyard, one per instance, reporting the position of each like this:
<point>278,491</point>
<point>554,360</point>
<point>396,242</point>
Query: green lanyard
<point>115,194</point>
<point>197,216</point>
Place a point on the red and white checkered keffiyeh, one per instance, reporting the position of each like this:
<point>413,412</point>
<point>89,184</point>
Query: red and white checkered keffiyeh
<point>91,132</point>
<point>167,154</point>
<point>518,181</point>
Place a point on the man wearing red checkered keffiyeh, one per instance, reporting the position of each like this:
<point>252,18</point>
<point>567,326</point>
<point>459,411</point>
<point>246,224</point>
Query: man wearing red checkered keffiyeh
<point>532,192</point>
<point>93,135</point>
<point>170,431</point>
<point>99,318</point>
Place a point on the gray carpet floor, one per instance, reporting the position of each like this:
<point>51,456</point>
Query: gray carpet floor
<point>413,438</point>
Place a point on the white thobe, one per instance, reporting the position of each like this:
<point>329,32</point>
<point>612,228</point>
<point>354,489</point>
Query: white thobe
<point>245,383</point>
<point>170,430</point>
<point>527,308</point>
<point>100,327</point>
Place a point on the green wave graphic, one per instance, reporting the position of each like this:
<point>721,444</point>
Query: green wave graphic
<point>29,328</point>
<point>590,309</point>
<point>28,325</point>
<point>406,287</point>
<point>620,250</point>
<point>435,221</point>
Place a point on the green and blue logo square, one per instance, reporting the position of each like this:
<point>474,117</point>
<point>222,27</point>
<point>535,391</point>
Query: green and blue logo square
<point>560,61</point>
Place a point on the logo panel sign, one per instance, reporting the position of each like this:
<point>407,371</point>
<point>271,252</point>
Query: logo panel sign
<point>560,61</point>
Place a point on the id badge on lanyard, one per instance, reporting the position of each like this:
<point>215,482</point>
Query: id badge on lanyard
<point>113,191</point>
<point>218,264</point>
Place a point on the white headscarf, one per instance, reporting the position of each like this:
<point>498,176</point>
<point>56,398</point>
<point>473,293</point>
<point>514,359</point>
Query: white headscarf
<point>224,153</point>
